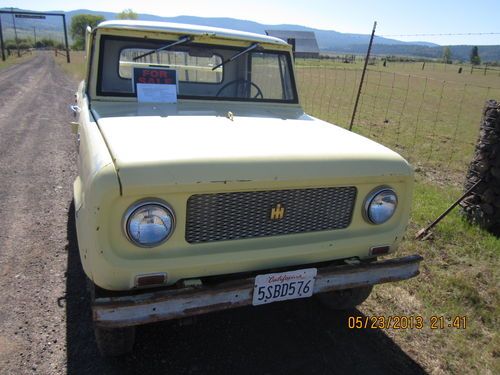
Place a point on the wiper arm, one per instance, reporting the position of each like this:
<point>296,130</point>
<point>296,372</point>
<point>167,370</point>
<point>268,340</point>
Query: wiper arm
<point>234,57</point>
<point>182,40</point>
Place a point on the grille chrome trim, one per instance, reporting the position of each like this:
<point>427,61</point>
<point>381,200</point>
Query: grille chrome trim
<point>242,215</point>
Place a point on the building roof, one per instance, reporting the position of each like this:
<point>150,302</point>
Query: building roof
<point>305,41</point>
<point>180,28</point>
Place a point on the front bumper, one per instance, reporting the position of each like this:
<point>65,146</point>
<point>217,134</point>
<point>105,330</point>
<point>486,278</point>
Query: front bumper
<point>136,309</point>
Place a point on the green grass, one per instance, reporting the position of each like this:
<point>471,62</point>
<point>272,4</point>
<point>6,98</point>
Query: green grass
<point>459,277</point>
<point>430,116</point>
<point>75,69</point>
<point>13,59</point>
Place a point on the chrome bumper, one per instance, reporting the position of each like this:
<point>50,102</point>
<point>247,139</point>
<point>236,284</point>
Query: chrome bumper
<point>169,304</point>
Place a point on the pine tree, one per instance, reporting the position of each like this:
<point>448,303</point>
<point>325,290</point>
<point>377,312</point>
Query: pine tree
<point>447,55</point>
<point>474,56</point>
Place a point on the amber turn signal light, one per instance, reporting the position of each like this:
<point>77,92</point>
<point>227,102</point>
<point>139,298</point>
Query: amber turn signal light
<point>152,279</point>
<point>379,250</point>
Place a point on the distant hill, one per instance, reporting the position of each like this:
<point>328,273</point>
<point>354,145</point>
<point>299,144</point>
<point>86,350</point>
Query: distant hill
<point>325,37</point>
<point>328,40</point>
<point>458,53</point>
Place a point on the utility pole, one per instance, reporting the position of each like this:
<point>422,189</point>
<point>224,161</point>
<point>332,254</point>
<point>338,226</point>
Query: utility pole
<point>15,32</point>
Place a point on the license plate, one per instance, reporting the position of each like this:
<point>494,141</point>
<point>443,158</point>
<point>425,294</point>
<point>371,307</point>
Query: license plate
<point>283,286</point>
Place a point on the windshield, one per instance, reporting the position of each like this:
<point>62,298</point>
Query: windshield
<point>202,71</point>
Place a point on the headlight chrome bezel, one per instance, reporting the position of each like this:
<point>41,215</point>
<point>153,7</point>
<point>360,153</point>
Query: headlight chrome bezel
<point>369,200</point>
<point>140,204</point>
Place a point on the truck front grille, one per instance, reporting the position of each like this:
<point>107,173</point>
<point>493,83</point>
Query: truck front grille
<point>232,216</point>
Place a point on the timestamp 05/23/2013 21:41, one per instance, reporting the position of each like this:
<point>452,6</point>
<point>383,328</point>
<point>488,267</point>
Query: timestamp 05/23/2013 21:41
<point>407,322</point>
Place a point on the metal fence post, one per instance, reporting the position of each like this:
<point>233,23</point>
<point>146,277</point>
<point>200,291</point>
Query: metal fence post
<point>362,76</point>
<point>66,38</point>
<point>15,32</point>
<point>1,39</point>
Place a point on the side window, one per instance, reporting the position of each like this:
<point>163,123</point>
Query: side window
<point>268,73</point>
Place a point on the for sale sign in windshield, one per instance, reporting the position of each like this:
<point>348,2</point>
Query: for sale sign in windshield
<point>155,85</point>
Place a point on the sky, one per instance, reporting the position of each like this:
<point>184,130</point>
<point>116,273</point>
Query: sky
<point>394,17</point>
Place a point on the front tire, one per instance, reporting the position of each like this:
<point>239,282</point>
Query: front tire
<point>113,342</point>
<point>345,299</point>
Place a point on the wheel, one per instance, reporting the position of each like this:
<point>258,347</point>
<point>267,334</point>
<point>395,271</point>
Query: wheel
<point>345,299</point>
<point>245,82</point>
<point>114,341</point>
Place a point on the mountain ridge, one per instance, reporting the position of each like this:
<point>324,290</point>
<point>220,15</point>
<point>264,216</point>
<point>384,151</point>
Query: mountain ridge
<point>323,36</point>
<point>328,40</point>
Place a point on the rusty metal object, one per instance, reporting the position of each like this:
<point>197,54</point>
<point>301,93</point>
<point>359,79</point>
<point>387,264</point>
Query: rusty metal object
<point>190,301</point>
<point>424,233</point>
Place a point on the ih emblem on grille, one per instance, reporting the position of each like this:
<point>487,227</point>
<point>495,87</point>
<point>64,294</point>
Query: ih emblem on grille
<point>278,212</point>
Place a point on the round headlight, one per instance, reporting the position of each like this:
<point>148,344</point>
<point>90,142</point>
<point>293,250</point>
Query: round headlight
<point>380,205</point>
<point>149,224</point>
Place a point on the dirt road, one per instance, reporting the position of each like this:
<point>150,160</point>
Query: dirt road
<point>45,325</point>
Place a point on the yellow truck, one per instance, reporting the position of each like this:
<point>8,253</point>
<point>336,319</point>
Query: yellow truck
<point>202,185</point>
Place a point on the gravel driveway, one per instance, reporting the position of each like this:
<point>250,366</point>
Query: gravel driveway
<point>45,323</point>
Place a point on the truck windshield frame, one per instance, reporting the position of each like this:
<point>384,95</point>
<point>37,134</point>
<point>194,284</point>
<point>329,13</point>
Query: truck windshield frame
<point>235,81</point>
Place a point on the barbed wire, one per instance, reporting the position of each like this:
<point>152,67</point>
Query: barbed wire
<point>440,34</point>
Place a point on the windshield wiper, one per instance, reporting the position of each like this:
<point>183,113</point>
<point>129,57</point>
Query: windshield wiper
<point>234,57</point>
<point>182,40</point>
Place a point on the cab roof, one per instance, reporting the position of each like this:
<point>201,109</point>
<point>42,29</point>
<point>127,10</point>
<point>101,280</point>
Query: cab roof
<point>186,29</point>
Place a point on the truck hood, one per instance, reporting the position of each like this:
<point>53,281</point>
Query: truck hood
<point>187,144</point>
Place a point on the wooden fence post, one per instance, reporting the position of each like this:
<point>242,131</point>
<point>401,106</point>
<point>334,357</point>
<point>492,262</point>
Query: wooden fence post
<point>483,205</point>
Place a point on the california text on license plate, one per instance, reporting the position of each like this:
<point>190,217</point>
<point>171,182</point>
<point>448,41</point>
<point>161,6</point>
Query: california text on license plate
<point>282,286</point>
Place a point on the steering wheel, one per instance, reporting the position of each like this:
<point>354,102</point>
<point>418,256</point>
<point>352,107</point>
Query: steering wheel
<point>245,82</point>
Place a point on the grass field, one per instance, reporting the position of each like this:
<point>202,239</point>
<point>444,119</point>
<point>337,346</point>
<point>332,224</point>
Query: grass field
<point>459,277</point>
<point>432,117</point>
<point>76,68</point>
<point>13,59</point>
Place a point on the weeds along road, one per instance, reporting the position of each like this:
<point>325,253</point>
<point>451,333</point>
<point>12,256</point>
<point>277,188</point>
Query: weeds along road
<point>45,322</point>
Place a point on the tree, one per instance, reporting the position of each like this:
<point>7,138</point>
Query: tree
<point>23,43</point>
<point>474,56</point>
<point>447,55</point>
<point>46,42</point>
<point>79,24</point>
<point>127,14</point>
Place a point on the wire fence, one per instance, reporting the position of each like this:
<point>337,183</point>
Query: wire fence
<point>431,118</point>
